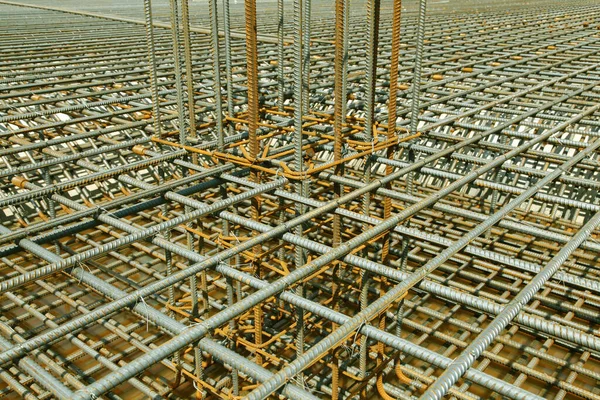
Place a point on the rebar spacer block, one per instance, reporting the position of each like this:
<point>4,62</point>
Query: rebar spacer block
<point>19,181</point>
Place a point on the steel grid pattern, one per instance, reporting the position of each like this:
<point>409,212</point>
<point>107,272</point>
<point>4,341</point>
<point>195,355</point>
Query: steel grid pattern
<point>299,199</point>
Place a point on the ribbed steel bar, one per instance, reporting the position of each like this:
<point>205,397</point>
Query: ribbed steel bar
<point>365,315</point>
<point>384,337</point>
<point>212,343</point>
<point>431,287</point>
<point>198,332</point>
<point>470,354</point>
<point>28,245</point>
<point>54,267</point>
<point>142,309</point>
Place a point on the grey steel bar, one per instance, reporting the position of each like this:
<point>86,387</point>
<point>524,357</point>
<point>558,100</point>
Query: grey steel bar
<point>469,355</point>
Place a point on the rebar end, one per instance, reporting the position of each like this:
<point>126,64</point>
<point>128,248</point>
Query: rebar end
<point>19,181</point>
<point>139,149</point>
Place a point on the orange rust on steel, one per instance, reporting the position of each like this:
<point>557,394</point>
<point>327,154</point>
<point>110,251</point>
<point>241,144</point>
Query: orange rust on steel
<point>375,45</point>
<point>252,81</point>
<point>392,110</point>
<point>209,387</point>
<point>288,172</point>
<point>263,345</point>
<point>339,98</point>
<point>324,115</point>
<point>304,147</point>
<point>387,201</point>
<point>252,74</point>
<point>368,149</point>
<point>335,376</point>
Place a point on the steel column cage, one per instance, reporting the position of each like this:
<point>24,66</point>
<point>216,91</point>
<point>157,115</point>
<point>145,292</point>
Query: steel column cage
<point>300,199</point>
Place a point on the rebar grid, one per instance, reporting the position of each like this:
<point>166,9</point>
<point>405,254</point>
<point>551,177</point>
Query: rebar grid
<point>227,209</point>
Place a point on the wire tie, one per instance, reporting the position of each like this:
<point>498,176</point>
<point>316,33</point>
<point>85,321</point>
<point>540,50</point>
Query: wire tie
<point>86,391</point>
<point>84,267</point>
<point>193,325</point>
<point>195,384</point>
<point>363,323</point>
<point>299,381</point>
<point>98,211</point>
<point>147,311</point>
<point>562,282</point>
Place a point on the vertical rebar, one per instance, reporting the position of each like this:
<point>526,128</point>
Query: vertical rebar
<point>416,83</point>
<point>306,10</point>
<point>298,155</point>
<point>391,131</point>
<point>228,62</point>
<point>177,63</point>
<point>232,342</point>
<point>392,113</point>
<point>495,192</point>
<point>48,199</point>
<point>345,60</point>
<point>215,52</point>
<point>189,77</point>
<point>199,371</point>
<point>185,21</point>
<point>280,56</point>
<point>373,7</point>
<point>152,66</point>
<point>298,98</point>
<point>182,136</point>
<point>339,100</point>
<point>337,111</point>
<point>221,133</point>
<point>416,93</point>
<point>252,77</point>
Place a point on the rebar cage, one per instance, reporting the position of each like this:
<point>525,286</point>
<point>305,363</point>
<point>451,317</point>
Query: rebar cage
<point>299,199</point>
